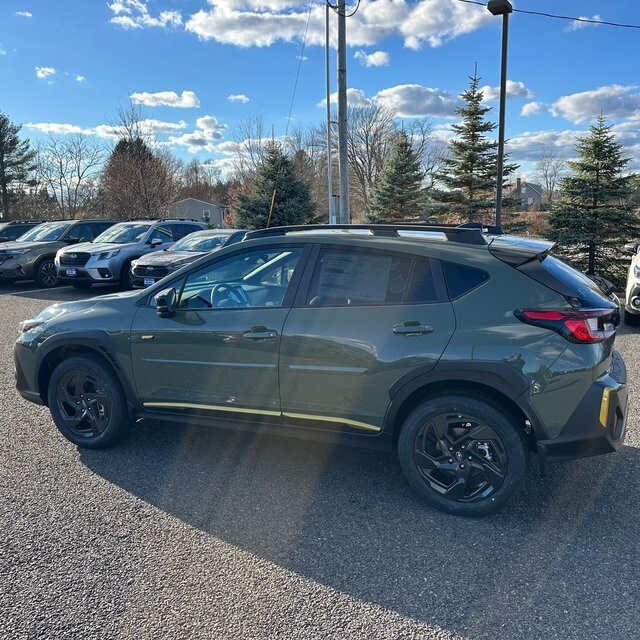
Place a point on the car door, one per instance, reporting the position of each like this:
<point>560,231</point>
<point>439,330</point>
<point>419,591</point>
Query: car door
<point>366,319</point>
<point>219,351</point>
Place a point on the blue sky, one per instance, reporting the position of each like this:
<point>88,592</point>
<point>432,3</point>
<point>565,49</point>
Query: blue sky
<point>199,68</point>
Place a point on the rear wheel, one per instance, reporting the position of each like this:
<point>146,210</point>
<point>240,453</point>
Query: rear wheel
<point>87,403</point>
<point>126,276</point>
<point>463,455</point>
<point>46,274</point>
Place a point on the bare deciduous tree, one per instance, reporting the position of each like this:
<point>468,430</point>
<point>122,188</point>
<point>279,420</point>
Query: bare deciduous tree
<point>68,168</point>
<point>550,168</point>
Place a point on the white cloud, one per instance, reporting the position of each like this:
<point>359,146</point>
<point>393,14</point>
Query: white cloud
<point>614,101</point>
<point>188,99</point>
<point>134,14</point>
<point>211,125</point>
<point>44,72</point>
<point>80,78</point>
<point>375,59</point>
<point>533,145</point>
<point>57,128</point>
<point>2,51</point>
<point>532,108</point>
<point>514,90</point>
<point>414,100</point>
<point>580,24</point>
<point>208,130</point>
<point>24,14</point>
<point>355,98</point>
<point>240,97</point>
<point>260,23</point>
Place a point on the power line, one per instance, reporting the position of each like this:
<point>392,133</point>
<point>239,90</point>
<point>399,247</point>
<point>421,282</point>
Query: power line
<point>334,8</point>
<point>553,15</point>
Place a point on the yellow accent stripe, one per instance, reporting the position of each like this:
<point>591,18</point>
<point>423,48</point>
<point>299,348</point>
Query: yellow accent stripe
<point>301,416</point>
<point>352,423</point>
<point>604,406</point>
<point>208,407</point>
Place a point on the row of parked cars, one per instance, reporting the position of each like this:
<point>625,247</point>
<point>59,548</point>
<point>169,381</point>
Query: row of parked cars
<point>85,252</point>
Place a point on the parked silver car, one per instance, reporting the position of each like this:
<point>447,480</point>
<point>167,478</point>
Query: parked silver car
<point>108,258</point>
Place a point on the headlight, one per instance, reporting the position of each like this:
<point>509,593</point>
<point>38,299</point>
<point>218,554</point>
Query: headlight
<point>636,271</point>
<point>47,314</point>
<point>134,264</point>
<point>107,255</point>
<point>15,253</point>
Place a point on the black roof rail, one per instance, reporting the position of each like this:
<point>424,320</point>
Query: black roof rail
<point>454,233</point>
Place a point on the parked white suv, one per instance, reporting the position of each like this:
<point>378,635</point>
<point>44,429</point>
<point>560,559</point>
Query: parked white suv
<point>108,258</point>
<point>632,292</point>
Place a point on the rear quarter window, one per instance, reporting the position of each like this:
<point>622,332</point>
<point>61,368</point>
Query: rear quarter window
<point>461,279</point>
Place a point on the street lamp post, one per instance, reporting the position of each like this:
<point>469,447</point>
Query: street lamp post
<point>501,8</point>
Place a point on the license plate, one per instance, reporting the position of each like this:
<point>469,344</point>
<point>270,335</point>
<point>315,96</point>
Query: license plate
<point>71,272</point>
<point>149,281</point>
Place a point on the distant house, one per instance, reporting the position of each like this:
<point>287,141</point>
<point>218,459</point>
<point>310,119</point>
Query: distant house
<point>212,213</point>
<point>529,194</point>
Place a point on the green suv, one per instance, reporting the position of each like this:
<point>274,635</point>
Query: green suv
<point>463,351</point>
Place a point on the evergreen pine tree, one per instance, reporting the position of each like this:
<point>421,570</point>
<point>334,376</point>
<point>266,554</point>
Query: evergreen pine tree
<point>292,203</point>
<point>16,162</point>
<point>470,170</point>
<point>593,216</point>
<point>398,193</point>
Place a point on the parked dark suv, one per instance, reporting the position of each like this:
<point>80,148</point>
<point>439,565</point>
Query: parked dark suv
<point>31,256</point>
<point>463,351</point>
<point>13,229</point>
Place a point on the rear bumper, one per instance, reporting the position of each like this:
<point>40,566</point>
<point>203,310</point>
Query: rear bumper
<point>598,424</point>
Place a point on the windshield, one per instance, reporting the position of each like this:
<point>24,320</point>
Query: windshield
<point>197,242</point>
<point>46,231</point>
<point>123,233</point>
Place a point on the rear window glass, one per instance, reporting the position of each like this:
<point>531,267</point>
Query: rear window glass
<point>462,279</point>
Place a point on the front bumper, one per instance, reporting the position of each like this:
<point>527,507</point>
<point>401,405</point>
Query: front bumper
<point>13,269</point>
<point>598,424</point>
<point>84,274</point>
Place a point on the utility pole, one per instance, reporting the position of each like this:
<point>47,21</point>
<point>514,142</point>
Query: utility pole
<point>345,216</point>
<point>332,210</point>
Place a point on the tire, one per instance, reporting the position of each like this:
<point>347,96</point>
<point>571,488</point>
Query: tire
<point>463,455</point>
<point>81,285</point>
<point>631,319</point>
<point>46,274</point>
<point>126,277</point>
<point>87,403</point>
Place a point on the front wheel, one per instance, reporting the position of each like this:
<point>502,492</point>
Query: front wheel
<point>46,274</point>
<point>463,455</point>
<point>126,276</point>
<point>87,403</point>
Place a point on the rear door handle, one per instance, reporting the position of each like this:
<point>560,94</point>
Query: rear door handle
<point>412,328</point>
<point>260,333</point>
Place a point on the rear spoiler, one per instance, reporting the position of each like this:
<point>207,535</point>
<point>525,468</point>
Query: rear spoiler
<point>516,251</point>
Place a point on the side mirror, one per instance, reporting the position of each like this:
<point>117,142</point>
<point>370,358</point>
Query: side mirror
<point>155,242</point>
<point>166,302</point>
<point>631,247</point>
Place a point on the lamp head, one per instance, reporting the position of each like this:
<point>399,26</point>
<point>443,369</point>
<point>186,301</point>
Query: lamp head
<point>499,7</point>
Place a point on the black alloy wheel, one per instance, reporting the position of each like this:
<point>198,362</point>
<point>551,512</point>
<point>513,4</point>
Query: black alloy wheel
<point>46,274</point>
<point>126,276</point>
<point>87,403</point>
<point>463,455</point>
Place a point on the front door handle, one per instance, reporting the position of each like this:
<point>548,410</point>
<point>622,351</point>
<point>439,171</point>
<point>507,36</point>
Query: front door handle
<point>260,333</point>
<point>412,328</point>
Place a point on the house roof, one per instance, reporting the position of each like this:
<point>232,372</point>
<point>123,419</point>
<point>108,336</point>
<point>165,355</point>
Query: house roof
<point>211,204</point>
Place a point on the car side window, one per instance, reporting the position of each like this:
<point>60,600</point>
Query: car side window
<point>256,278</point>
<point>347,277</point>
<point>80,232</point>
<point>162,233</point>
<point>182,230</point>
<point>99,227</point>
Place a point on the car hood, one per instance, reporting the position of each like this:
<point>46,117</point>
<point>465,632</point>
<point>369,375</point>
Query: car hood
<point>11,246</point>
<point>170,259</point>
<point>96,247</point>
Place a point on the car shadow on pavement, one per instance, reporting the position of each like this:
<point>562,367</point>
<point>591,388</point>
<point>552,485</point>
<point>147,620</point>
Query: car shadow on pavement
<point>557,558</point>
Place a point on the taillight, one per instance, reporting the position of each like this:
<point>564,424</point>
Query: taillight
<point>594,325</point>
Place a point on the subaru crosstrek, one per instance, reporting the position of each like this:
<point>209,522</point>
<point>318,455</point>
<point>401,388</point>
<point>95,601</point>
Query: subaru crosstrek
<point>107,260</point>
<point>463,351</point>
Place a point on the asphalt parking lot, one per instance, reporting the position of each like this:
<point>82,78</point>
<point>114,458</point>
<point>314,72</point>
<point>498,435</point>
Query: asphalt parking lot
<point>185,532</point>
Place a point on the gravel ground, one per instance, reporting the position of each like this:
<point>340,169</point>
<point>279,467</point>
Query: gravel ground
<point>194,533</point>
